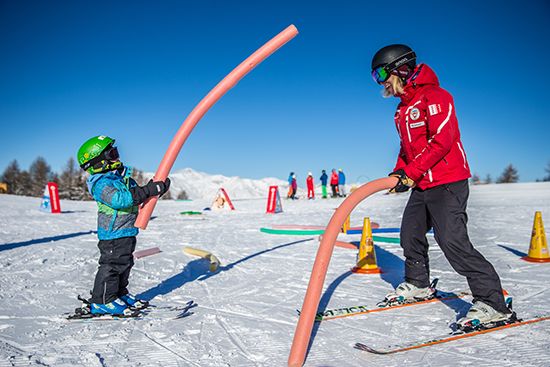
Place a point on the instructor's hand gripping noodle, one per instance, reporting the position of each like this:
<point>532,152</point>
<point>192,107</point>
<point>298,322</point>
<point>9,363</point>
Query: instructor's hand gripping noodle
<point>404,183</point>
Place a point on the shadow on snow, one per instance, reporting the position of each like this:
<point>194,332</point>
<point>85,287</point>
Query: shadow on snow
<point>199,269</point>
<point>514,251</point>
<point>11,246</point>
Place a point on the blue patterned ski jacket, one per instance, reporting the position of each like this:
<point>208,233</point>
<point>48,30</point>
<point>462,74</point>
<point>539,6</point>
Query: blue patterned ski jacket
<point>116,213</point>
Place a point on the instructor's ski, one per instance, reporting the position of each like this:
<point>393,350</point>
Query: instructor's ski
<point>337,313</point>
<point>456,335</point>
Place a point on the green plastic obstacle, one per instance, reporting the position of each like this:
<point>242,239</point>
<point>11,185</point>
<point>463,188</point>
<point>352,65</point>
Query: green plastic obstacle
<point>296,232</point>
<point>309,232</point>
<point>190,212</point>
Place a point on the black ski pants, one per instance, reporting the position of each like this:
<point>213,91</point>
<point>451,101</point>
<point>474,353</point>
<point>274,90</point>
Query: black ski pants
<point>115,262</point>
<point>334,190</point>
<point>443,208</point>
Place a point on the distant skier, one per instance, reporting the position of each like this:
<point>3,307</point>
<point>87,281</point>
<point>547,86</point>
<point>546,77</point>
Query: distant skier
<point>324,179</point>
<point>289,193</point>
<point>341,183</point>
<point>294,187</point>
<point>432,162</point>
<point>334,183</point>
<point>118,197</point>
<point>310,186</point>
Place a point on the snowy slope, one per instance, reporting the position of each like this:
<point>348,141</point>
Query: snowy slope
<point>200,185</point>
<point>246,314</point>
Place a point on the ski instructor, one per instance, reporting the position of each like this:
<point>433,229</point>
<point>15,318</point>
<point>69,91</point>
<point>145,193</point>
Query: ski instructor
<point>432,163</point>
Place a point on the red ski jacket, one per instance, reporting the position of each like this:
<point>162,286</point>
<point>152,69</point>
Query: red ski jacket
<point>334,178</point>
<point>309,182</point>
<point>431,151</point>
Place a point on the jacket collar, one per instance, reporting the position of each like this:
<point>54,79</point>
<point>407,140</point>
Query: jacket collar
<point>421,77</point>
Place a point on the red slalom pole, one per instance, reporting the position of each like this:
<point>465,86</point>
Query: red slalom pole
<point>204,105</point>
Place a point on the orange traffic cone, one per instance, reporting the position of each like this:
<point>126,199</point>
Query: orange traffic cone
<point>345,226</point>
<point>366,263</point>
<point>538,250</point>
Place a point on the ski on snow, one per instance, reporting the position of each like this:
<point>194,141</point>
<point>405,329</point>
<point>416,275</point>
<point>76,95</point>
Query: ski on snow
<point>181,312</point>
<point>337,313</point>
<point>455,335</point>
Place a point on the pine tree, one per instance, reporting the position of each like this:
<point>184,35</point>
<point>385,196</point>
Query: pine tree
<point>475,179</point>
<point>547,169</point>
<point>25,186</point>
<point>166,196</point>
<point>40,173</point>
<point>11,176</point>
<point>488,179</point>
<point>182,195</point>
<point>72,183</point>
<point>509,175</point>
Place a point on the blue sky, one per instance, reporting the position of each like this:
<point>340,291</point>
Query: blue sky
<point>134,69</point>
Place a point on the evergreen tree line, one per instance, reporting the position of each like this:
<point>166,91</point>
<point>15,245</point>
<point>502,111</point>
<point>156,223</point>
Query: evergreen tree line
<point>509,175</point>
<point>71,181</point>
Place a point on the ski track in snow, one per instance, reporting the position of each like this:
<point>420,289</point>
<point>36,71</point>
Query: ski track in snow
<point>246,313</point>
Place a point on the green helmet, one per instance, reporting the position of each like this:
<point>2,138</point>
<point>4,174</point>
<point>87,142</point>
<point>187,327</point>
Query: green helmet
<point>98,155</point>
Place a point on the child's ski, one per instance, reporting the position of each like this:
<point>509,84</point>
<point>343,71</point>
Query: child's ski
<point>181,311</point>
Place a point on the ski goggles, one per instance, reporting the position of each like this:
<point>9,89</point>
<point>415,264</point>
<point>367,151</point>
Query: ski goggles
<point>111,153</point>
<point>380,74</point>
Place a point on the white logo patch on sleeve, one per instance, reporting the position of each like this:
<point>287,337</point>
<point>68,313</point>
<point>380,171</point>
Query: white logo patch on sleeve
<point>434,109</point>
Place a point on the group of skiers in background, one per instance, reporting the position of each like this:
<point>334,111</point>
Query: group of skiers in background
<point>337,184</point>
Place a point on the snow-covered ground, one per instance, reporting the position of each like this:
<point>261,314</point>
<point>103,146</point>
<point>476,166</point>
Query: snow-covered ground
<point>247,310</point>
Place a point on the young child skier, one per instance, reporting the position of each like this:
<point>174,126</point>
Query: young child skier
<point>117,196</point>
<point>433,164</point>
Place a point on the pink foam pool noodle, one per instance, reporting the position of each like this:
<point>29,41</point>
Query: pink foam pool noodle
<point>304,327</point>
<point>204,105</point>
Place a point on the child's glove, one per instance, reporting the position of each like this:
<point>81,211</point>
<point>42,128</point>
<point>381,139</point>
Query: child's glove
<point>404,183</point>
<point>159,188</point>
<point>153,188</point>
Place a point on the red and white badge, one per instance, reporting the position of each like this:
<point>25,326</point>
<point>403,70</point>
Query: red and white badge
<point>434,109</point>
<point>415,114</point>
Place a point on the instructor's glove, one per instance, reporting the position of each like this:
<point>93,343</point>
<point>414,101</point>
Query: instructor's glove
<point>153,188</point>
<point>404,183</point>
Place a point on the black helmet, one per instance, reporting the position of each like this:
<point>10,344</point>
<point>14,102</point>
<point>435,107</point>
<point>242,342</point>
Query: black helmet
<point>393,58</point>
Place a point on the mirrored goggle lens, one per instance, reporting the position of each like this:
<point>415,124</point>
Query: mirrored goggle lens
<point>111,154</point>
<point>380,74</point>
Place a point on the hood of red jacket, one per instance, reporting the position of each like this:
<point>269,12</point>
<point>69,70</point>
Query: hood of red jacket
<point>422,76</point>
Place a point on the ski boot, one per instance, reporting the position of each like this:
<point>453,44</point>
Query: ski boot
<point>482,316</point>
<point>408,293</point>
<point>114,308</point>
<point>133,303</point>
